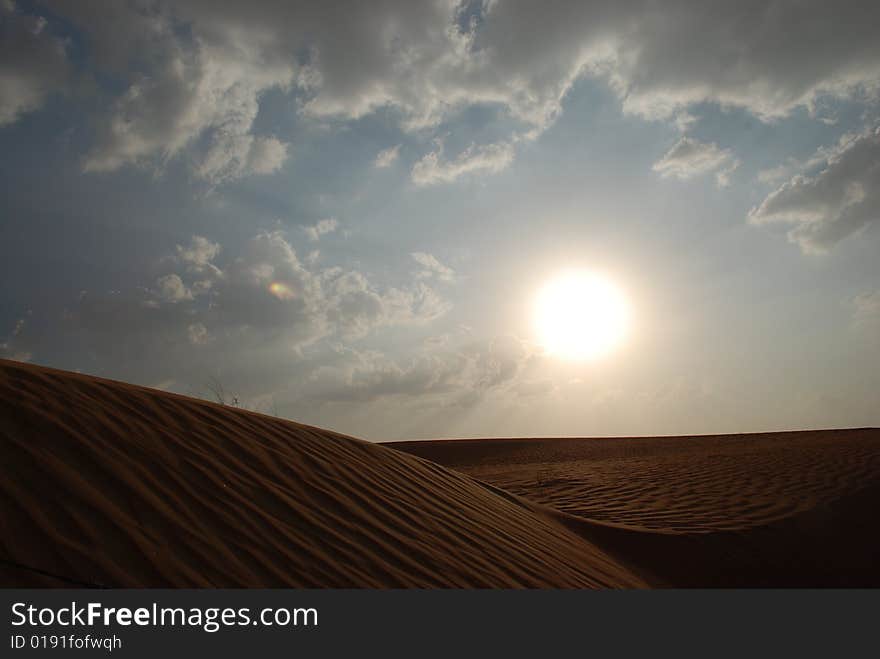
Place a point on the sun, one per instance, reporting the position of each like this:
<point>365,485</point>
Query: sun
<point>581,316</point>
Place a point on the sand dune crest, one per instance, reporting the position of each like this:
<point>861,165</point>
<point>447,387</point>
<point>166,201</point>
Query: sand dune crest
<point>110,484</point>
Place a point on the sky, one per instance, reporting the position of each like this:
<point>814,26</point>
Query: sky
<point>343,211</point>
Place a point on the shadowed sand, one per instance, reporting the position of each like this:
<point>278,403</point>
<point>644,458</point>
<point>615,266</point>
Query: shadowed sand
<point>770,509</point>
<point>109,484</point>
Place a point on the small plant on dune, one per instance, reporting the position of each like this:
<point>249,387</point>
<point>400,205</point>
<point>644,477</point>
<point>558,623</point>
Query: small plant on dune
<point>220,395</point>
<point>218,391</point>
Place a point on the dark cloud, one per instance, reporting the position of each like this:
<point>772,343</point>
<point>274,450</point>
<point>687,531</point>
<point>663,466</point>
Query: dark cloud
<point>227,320</point>
<point>194,71</point>
<point>33,62</point>
<point>206,314</point>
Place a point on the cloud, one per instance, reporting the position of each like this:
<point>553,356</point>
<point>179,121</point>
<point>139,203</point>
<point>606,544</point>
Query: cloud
<point>660,60</point>
<point>866,319</point>
<point>722,176</point>
<point>198,334</point>
<point>427,61</point>
<point>839,200</point>
<point>193,90</point>
<point>193,72</point>
<point>684,120</point>
<point>355,307</point>
<point>10,348</point>
<point>867,309</point>
<point>689,158</point>
<point>432,267</point>
<point>205,314</point>
<point>234,156</point>
<point>489,158</point>
<point>266,155</point>
<point>325,226</point>
<point>199,254</point>
<point>534,388</point>
<point>172,289</point>
<point>418,303</point>
<point>33,62</point>
<point>196,258</point>
<point>7,351</point>
<point>387,157</point>
<point>460,376</point>
<point>773,175</point>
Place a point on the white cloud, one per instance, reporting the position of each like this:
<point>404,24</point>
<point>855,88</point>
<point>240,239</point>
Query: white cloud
<point>266,155</point>
<point>172,289</point>
<point>198,334</point>
<point>722,176</point>
<point>197,259</point>
<point>689,158</point>
<point>451,376</point>
<point>684,120</point>
<point>199,88</point>
<point>199,253</point>
<point>433,168</point>
<point>198,91</point>
<point>418,303</point>
<point>839,200</point>
<point>33,62</point>
<point>322,227</point>
<point>431,267</point>
<point>773,175</point>
<point>387,157</point>
<point>234,156</point>
<point>262,342</point>
<point>426,61</point>
<point>266,294</point>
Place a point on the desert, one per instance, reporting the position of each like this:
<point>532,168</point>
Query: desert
<point>107,484</point>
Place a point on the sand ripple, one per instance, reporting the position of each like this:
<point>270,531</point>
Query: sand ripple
<point>110,484</point>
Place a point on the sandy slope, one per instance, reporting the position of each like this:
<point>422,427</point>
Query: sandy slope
<point>773,509</point>
<point>105,483</point>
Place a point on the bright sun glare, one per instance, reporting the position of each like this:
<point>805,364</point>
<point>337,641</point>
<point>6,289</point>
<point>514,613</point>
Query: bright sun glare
<point>581,316</point>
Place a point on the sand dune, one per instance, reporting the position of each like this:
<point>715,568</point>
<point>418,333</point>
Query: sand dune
<point>771,509</point>
<point>109,484</point>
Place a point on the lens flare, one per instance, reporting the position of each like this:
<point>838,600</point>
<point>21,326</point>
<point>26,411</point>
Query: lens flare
<point>281,291</point>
